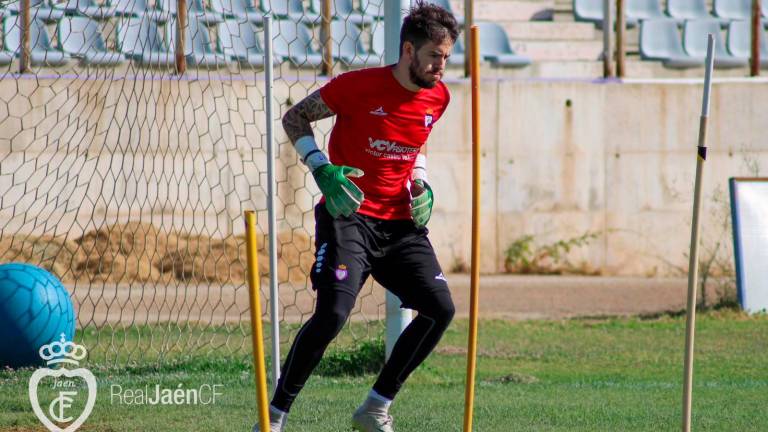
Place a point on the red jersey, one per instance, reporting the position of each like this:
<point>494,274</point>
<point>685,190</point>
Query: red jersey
<point>380,128</point>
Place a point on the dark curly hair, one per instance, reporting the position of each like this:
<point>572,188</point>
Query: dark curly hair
<point>428,22</point>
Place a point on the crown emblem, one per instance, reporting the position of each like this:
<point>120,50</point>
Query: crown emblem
<point>63,351</point>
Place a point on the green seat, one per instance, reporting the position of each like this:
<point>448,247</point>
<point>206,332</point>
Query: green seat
<point>293,42</point>
<point>195,10</point>
<point>739,42</point>
<point>39,9</point>
<point>88,8</point>
<point>80,37</point>
<point>289,10</point>
<point>638,10</point>
<point>140,40</point>
<point>198,48</point>
<point>495,46</point>
<point>733,9</point>
<point>660,40</point>
<point>41,51</point>
<point>342,10</point>
<point>348,46</point>
<point>136,9</point>
<point>239,41</point>
<point>695,36</point>
<point>372,8</point>
<point>682,10</point>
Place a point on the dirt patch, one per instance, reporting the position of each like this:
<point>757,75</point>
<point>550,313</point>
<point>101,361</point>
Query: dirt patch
<point>140,252</point>
<point>513,378</point>
<point>490,353</point>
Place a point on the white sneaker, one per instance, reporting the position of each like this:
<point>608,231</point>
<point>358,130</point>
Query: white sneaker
<point>276,422</point>
<point>273,427</point>
<point>365,421</point>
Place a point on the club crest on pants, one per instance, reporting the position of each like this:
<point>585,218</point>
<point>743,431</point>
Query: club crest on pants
<point>341,272</point>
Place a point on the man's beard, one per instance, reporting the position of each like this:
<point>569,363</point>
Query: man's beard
<point>413,71</point>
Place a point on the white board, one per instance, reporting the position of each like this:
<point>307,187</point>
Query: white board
<point>749,210</point>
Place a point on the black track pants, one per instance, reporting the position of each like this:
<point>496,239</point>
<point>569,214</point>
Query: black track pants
<point>400,257</point>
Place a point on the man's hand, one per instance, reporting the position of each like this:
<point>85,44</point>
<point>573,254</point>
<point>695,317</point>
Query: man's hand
<point>342,197</point>
<point>421,202</point>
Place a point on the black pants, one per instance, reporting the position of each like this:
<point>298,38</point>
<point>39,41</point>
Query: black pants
<point>400,257</point>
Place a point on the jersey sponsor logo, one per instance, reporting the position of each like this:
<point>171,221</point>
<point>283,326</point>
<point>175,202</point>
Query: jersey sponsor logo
<point>378,112</point>
<point>390,146</point>
<point>390,150</point>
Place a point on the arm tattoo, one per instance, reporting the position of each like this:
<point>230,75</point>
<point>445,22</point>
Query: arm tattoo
<point>297,121</point>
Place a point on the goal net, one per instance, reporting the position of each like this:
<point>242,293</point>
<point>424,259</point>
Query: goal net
<point>128,180</point>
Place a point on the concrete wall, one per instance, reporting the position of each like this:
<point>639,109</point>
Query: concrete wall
<point>564,158</point>
<point>559,159</point>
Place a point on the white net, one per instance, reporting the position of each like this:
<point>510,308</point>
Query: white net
<point>128,180</point>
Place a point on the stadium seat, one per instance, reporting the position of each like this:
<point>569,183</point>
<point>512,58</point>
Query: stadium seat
<point>80,37</point>
<point>733,9</point>
<point>293,42</point>
<point>378,40</point>
<point>660,40</point>
<point>739,42</point>
<point>589,11</point>
<point>6,56</point>
<point>495,47</point>
<point>198,48</point>
<point>195,10</point>
<point>239,41</point>
<point>40,9</point>
<point>88,8</point>
<point>457,56</point>
<point>239,10</point>
<point>348,46</point>
<point>592,11</point>
<point>682,10</point>
<point>136,9</point>
<point>342,10</point>
<point>140,40</point>
<point>637,10</point>
<point>289,10</point>
<point>41,51</point>
<point>372,8</point>
<point>695,43</point>
<point>446,4</point>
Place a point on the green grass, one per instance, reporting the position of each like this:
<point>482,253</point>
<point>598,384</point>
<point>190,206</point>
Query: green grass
<point>576,375</point>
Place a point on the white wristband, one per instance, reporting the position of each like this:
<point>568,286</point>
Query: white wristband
<point>420,168</point>
<point>307,149</point>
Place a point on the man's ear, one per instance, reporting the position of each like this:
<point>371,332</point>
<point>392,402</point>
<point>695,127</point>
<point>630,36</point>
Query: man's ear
<point>409,50</point>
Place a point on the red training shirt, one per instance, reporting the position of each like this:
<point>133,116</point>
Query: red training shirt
<point>380,127</point>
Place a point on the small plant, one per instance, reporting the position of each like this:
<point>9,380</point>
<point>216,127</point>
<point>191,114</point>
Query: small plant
<point>459,265</point>
<point>525,257</point>
<point>364,358</point>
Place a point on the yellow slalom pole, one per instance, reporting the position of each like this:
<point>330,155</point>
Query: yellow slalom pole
<point>469,396</point>
<point>257,333</point>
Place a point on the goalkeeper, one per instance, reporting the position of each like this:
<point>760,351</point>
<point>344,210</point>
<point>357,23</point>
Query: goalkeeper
<point>376,203</point>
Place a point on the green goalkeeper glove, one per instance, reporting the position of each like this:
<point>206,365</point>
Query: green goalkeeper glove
<point>422,199</point>
<point>342,197</point>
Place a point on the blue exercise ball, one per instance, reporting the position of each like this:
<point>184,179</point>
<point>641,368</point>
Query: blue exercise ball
<point>35,309</point>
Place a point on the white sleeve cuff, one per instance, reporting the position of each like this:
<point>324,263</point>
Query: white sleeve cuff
<point>420,168</point>
<point>307,149</point>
